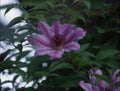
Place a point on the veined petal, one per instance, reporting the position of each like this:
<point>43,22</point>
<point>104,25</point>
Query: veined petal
<point>38,41</point>
<point>99,72</point>
<point>56,28</point>
<point>67,29</point>
<point>103,85</point>
<point>116,77</point>
<point>71,46</point>
<point>43,51</point>
<point>82,33</point>
<point>56,54</point>
<point>78,34</point>
<point>45,29</point>
<point>86,86</point>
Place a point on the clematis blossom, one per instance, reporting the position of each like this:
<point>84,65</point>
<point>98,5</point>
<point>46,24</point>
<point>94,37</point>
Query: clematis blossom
<point>56,39</point>
<point>101,85</point>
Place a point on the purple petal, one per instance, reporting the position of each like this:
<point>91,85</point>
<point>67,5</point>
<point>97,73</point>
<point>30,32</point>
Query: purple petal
<point>103,85</point>
<point>116,78</point>
<point>118,89</point>
<point>45,29</point>
<point>93,78</point>
<point>78,34</point>
<point>43,51</point>
<point>56,54</point>
<point>38,41</point>
<point>86,86</point>
<point>67,29</point>
<point>56,27</point>
<point>71,46</point>
<point>99,72</point>
<point>82,33</point>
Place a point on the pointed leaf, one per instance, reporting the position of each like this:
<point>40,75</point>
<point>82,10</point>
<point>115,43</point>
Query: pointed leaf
<point>106,54</point>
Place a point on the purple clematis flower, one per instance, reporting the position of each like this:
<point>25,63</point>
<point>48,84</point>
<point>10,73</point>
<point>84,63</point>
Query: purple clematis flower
<point>54,40</point>
<point>102,85</point>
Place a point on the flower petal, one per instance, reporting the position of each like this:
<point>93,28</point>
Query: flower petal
<point>116,77</point>
<point>102,85</point>
<point>45,29</point>
<point>71,46</point>
<point>86,86</point>
<point>43,51</point>
<point>82,33</point>
<point>67,29</point>
<point>56,28</point>
<point>118,89</point>
<point>56,54</point>
<point>93,78</point>
<point>78,34</point>
<point>38,40</point>
<point>99,72</point>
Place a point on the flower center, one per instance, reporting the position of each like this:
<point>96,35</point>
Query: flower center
<point>57,42</point>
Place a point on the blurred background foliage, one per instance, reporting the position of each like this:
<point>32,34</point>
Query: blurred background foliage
<point>99,49</point>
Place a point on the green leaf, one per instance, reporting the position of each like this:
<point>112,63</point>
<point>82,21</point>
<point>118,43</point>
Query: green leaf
<point>36,63</point>
<point>4,82</point>
<point>41,74</point>
<point>8,9</point>
<point>8,64</point>
<point>102,55</point>
<point>82,48</point>
<point>82,18</point>
<point>22,54</point>
<point>100,30</point>
<point>87,63</point>
<point>44,73</point>
<point>88,54</point>
<point>87,3</point>
<point>19,47</point>
<point>20,73</point>
<point>57,66</point>
<point>26,89</point>
<point>15,21</point>
<point>25,27</point>
<point>3,55</point>
<point>102,77</point>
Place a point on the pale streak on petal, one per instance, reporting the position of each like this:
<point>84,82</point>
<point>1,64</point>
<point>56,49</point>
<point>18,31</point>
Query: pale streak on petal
<point>43,51</point>
<point>86,86</point>
<point>103,85</point>
<point>56,27</point>
<point>82,33</point>
<point>116,78</point>
<point>45,29</point>
<point>38,41</point>
<point>56,54</point>
<point>78,34</point>
<point>71,46</point>
<point>68,28</point>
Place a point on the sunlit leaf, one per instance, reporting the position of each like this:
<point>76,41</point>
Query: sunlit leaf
<point>15,21</point>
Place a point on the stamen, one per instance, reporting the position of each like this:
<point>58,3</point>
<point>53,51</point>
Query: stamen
<point>57,42</point>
